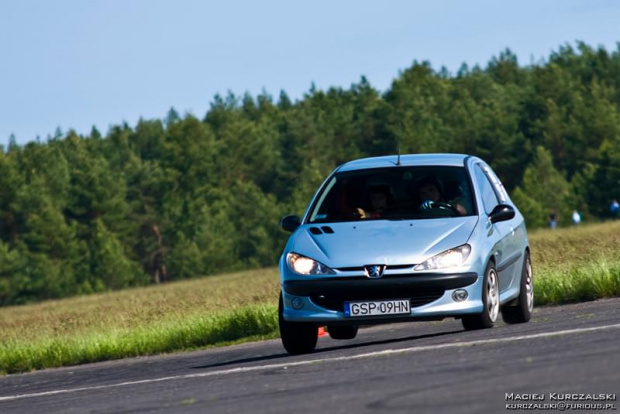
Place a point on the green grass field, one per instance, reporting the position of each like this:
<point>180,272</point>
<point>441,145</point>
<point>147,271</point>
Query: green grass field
<point>572,264</point>
<point>576,264</point>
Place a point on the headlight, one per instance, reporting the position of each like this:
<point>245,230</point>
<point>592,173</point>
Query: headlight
<point>306,266</point>
<point>449,258</point>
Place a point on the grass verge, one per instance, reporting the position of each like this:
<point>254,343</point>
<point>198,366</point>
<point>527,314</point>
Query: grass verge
<point>253,321</point>
<point>596,280</point>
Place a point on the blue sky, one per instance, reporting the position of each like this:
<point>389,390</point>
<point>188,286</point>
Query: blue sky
<point>79,63</point>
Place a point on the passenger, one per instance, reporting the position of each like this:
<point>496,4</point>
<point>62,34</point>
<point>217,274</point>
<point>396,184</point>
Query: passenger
<point>379,201</point>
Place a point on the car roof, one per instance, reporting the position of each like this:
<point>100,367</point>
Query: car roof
<point>451,160</point>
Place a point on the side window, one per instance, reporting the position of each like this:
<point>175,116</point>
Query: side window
<point>497,184</point>
<point>489,199</point>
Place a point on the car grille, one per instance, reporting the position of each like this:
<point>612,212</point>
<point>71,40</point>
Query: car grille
<point>418,297</point>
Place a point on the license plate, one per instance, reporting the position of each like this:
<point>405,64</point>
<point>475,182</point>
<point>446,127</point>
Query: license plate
<point>383,307</point>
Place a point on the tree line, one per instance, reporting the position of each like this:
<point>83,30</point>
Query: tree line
<point>181,197</point>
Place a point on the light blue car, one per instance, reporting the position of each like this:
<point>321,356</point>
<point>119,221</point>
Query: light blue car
<point>401,238</point>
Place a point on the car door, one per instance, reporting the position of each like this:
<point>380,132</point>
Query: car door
<point>506,257</point>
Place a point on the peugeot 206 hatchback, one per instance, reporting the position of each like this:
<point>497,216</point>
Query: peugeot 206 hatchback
<point>401,238</point>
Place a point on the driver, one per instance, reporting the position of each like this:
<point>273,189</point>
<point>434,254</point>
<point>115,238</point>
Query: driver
<point>429,191</point>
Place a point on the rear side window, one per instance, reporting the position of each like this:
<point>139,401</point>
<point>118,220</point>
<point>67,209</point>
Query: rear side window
<point>500,191</point>
<point>487,193</point>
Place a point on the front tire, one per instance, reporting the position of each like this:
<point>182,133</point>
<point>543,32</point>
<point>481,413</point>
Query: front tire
<point>490,299</point>
<point>522,312</point>
<point>297,337</point>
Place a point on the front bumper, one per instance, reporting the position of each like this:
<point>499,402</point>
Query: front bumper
<point>430,296</point>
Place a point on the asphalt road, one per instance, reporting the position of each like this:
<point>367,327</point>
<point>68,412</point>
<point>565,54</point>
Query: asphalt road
<point>400,368</point>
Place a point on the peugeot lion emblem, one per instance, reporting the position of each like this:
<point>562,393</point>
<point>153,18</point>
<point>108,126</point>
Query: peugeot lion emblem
<point>374,271</point>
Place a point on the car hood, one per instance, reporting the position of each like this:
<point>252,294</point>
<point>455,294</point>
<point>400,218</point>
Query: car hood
<point>353,244</point>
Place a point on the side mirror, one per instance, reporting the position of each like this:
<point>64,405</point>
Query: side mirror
<point>501,212</point>
<point>290,223</point>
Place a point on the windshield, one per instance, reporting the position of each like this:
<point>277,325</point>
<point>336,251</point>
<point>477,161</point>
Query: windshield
<point>394,193</point>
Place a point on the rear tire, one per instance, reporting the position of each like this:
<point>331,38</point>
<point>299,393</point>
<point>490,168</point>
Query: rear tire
<point>297,337</point>
<point>522,312</point>
<point>490,299</point>
<point>342,332</point>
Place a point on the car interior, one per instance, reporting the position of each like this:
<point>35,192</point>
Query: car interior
<point>349,196</point>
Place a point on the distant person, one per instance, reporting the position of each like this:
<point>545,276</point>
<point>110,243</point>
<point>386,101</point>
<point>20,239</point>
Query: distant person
<point>553,220</point>
<point>576,217</point>
<point>614,207</point>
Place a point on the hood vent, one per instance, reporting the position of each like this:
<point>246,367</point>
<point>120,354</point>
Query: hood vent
<point>317,231</point>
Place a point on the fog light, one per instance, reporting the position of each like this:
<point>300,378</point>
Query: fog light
<point>297,303</point>
<point>459,295</point>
